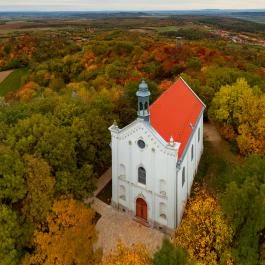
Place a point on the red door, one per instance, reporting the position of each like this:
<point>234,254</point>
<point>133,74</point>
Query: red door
<point>141,208</point>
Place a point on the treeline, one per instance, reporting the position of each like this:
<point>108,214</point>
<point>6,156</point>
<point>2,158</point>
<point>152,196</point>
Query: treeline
<point>51,147</point>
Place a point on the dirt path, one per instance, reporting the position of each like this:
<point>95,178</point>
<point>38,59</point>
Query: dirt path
<point>5,74</point>
<point>220,147</point>
<point>212,134</point>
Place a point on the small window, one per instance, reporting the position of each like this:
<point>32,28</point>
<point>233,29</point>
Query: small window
<point>141,106</point>
<point>122,193</point>
<point>141,175</point>
<point>192,152</point>
<point>162,187</point>
<point>145,105</point>
<point>163,210</point>
<point>183,176</point>
<point>141,144</point>
<point>199,134</point>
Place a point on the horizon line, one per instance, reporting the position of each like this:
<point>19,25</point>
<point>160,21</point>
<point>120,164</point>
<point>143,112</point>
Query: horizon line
<point>136,10</point>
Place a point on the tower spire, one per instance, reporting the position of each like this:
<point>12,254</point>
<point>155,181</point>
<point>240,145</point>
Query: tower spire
<point>143,94</point>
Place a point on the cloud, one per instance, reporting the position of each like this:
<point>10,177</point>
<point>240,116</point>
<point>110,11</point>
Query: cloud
<point>87,5</point>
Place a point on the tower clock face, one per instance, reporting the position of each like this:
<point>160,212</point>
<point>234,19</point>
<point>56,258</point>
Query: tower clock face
<point>141,144</point>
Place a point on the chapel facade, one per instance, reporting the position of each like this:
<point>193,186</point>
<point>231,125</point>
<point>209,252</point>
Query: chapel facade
<point>155,158</point>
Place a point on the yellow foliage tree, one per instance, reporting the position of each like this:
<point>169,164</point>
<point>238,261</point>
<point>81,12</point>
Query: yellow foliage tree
<point>251,137</point>
<point>69,239</point>
<point>134,255</point>
<point>203,231</point>
<point>239,110</point>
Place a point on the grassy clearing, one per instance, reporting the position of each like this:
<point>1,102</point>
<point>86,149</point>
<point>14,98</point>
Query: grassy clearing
<point>13,81</point>
<point>215,163</point>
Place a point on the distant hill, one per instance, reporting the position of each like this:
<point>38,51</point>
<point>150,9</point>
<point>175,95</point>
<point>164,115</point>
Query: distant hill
<point>96,14</point>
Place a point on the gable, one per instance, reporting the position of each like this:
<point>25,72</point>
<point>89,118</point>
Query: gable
<point>175,113</point>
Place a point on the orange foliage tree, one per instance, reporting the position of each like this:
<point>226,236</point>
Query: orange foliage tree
<point>69,238</point>
<point>27,92</point>
<point>134,255</point>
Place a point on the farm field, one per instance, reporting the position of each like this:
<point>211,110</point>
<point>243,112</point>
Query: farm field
<point>13,80</point>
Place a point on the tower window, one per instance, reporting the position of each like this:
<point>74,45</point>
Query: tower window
<point>141,175</point>
<point>145,105</point>
<point>183,176</point>
<point>141,106</point>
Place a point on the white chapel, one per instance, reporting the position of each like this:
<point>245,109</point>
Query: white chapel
<point>155,158</point>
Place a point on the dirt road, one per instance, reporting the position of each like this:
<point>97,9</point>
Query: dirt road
<point>5,74</point>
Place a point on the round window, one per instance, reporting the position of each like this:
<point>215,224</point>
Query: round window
<point>141,144</point>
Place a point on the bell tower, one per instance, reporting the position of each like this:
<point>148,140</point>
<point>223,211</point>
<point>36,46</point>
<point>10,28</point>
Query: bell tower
<point>143,94</point>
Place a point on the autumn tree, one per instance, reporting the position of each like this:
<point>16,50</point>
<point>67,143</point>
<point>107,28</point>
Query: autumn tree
<point>27,91</point>
<point>40,190</point>
<point>238,109</point>
<point>203,232</point>
<point>135,254</point>
<point>69,239</point>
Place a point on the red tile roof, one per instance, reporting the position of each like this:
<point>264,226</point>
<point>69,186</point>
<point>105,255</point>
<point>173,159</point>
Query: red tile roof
<point>175,112</point>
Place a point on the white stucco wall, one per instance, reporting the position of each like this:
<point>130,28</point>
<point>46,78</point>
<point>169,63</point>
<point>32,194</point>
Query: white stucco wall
<point>191,166</point>
<point>159,160</point>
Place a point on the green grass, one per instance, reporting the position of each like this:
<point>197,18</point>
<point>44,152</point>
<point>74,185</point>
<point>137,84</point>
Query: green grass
<point>13,81</point>
<point>215,164</point>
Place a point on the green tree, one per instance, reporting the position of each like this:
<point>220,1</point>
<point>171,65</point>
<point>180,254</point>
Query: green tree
<point>12,184</point>
<point>171,255</point>
<point>40,190</point>
<point>11,234</point>
<point>244,205</point>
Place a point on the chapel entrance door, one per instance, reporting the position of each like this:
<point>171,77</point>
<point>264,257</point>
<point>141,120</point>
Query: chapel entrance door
<point>141,209</point>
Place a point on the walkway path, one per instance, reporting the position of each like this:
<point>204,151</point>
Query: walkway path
<point>5,74</point>
<point>212,134</point>
<point>114,225</point>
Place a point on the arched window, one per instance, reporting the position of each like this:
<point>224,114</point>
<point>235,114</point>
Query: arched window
<point>141,175</point>
<point>163,210</point>
<point>122,173</point>
<point>141,105</point>
<point>192,152</point>
<point>122,193</point>
<point>162,187</point>
<point>183,176</point>
<point>145,105</point>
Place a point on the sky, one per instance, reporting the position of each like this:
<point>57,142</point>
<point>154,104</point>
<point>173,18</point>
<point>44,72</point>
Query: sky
<point>104,5</point>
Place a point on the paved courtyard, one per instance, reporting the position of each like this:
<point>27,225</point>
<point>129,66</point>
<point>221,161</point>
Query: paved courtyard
<point>114,225</point>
